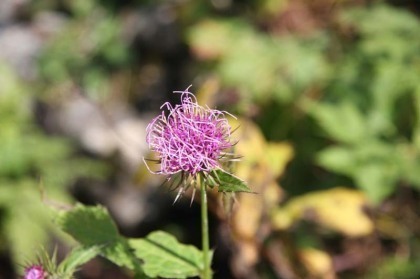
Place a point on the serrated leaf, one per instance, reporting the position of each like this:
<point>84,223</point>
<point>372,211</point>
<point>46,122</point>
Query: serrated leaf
<point>89,225</point>
<point>228,182</point>
<point>92,226</point>
<point>165,257</point>
<point>78,257</point>
<point>121,254</point>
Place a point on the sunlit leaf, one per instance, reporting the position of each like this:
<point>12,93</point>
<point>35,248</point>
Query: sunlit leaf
<point>318,263</point>
<point>165,257</point>
<point>339,159</point>
<point>342,122</point>
<point>220,33</point>
<point>278,155</point>
<point>339,209</point>
<point>261,164</point>
<point>92,226</point>
<point>89,225</point>
<point>374,182</point>
<point>77,257</point>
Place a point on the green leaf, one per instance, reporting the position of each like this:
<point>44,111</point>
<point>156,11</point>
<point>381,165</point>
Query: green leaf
<point>227,182</point>
<point>338,159</point>
<point>25,221</point>
<point>121,254</point>
<point>78,257</point>
<point>92,226</point>
<point>89,225</point>
<point>342,122</point>
<point>165,257</point>
<point>416,132</point>
<point>376,180</point>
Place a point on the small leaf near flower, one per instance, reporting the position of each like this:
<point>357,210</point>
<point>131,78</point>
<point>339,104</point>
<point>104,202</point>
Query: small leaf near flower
<point>226,182</point>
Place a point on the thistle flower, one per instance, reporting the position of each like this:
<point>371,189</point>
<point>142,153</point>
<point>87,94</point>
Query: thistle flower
<point>35,272</point>
<point>46,267</point>
<point>189,140</point>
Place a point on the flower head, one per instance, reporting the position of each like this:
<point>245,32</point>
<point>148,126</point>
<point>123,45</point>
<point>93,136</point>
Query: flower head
<point>35,272</point>
<point>190,139</point>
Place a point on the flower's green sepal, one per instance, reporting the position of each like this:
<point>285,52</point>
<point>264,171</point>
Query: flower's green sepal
<point>226,182</point>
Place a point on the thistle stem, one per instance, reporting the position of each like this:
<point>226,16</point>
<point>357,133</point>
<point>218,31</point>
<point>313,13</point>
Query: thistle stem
<point>205,231</point>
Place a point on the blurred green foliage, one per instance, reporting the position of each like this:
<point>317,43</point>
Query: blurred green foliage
<point>345,95</point>
<point>33,166</point>
<point>371,102</point>
<point>84,53</point>
<point>263,68</point>
<point>358,80</point>
<point>396,268</point>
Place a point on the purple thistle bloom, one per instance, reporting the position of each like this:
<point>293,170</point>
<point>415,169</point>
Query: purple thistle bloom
<point>191,139</point>
<point>34,272</point>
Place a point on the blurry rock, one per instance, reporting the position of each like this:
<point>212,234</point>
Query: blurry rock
<point>129,206</point>
<point>104,131</point>
<point>19,46</point>
<point>9,9</point>
<point>48,23</point>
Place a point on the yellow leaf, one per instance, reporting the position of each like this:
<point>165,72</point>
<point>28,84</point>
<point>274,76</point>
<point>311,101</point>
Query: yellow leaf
<point>255,149</point>
<point>317,263</point>
<point>207,93</point>
<point>210,39</point>
<point>339,209</point>
<point>251,142</point>
<point>277,156</point>
<point>261,164</point>
<point>246,219</point>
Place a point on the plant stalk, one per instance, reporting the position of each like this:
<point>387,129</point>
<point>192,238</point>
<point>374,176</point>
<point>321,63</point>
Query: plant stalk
<point>205,230</point>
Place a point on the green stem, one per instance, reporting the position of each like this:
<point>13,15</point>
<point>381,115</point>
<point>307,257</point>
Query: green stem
<point>205,230</point>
